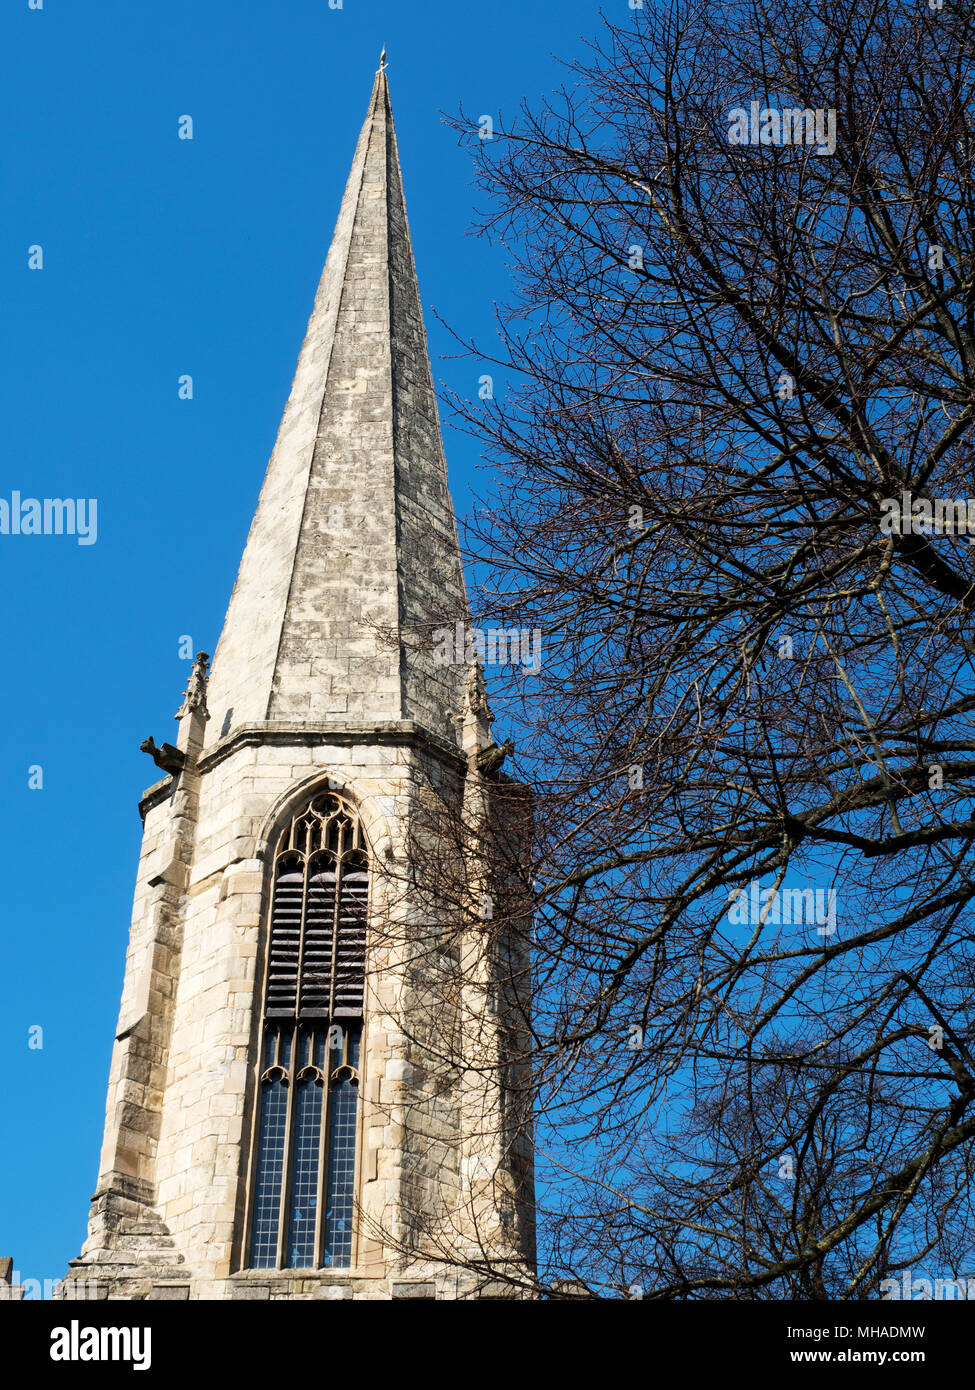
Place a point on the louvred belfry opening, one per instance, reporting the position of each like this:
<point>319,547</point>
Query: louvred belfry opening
<point>304,1173</point>
<point>318,916</point>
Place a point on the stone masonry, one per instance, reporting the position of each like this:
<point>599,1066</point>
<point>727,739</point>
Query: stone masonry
<point>324,676</point>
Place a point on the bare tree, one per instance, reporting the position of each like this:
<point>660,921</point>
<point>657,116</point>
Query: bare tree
<point>740,360</point>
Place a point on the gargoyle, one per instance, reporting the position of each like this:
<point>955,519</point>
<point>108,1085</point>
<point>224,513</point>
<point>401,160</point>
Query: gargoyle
<point>167,757</point>
<point>490,758</point>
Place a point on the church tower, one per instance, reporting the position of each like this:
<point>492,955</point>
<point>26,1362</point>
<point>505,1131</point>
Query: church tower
<point>317,1084</point>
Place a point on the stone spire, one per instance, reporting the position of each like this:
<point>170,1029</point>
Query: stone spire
<point>331,693</point>
<point>352,559</point>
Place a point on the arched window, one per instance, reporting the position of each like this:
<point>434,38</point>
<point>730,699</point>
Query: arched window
<point>304,1171</point>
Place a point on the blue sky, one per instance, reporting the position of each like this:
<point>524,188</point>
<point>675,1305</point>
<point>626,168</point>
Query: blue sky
<point>164,257</point>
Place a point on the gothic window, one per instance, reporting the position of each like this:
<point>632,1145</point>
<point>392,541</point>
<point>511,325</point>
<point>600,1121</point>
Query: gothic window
<point>304,1172</point>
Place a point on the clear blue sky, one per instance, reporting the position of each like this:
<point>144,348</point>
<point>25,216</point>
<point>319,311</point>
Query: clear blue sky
<point>164,257</point>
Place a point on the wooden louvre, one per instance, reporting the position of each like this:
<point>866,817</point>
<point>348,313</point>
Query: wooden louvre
<point>316,958</point>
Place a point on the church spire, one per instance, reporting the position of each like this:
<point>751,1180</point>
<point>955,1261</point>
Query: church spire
<point>284,1119</point>
<point>352,559</point>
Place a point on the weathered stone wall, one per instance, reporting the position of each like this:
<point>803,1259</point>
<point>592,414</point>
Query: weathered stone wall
<point>182,1227</point>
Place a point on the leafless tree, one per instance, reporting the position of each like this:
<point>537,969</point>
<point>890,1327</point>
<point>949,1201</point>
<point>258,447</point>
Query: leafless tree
<point>722,359</point>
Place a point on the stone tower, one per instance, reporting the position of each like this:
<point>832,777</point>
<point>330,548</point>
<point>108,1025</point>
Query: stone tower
<point>313,1091</point>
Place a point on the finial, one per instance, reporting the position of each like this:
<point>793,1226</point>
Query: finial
<point>383,65</point>
<point>476,717</point>
<point>195,694</point>
<point>477,691</point>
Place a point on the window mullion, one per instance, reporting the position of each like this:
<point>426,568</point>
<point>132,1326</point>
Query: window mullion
<point>322,1157</point>
<point>336,905</point>
<point>301,935</point>
<point>283,1231</point>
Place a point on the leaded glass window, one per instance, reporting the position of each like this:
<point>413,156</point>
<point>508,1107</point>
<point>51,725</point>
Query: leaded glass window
<point>303,1190</point>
